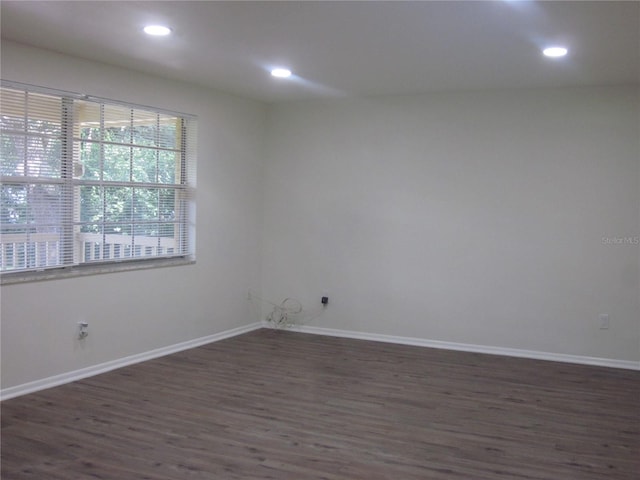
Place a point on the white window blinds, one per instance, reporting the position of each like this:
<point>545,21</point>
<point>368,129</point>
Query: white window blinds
<point>88,181</point>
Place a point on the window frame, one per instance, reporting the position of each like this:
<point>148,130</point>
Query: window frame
<point>184,188</point>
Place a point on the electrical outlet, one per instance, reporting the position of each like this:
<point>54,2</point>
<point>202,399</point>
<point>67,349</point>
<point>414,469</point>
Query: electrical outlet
<point>325,298</point>
<point>83,332</point>
<point>604,321</point>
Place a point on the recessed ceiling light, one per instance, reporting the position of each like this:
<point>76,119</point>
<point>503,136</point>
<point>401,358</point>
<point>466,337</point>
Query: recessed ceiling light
<point>157,30</point>
<point>281,72</point>
<point>555,52</point>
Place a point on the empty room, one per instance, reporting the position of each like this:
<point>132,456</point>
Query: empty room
<point>305,240</point>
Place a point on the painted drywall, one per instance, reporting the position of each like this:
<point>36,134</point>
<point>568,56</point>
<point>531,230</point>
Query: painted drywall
<point>134,312</point>
<point>483,218</point>
<point>474,218</point>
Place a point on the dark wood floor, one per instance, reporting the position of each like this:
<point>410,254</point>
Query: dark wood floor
<point>290,406</point>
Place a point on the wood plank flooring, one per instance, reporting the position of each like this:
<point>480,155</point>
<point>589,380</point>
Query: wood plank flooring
<point>291,406</point>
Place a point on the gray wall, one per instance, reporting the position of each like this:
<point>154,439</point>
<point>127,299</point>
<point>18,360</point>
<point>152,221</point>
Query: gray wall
<point>135,312</point>
<point>474,218</point>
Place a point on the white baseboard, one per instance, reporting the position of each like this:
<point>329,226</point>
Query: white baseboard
<point>466,347</point>
<point>75,375</point>
<point>69,377</point>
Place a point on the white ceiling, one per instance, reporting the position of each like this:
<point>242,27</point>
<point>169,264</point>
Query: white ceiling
<point>344,48</point>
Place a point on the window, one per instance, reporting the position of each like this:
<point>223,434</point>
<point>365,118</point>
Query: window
<point>87,181</point>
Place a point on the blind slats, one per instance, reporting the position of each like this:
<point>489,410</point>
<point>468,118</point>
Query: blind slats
<point>89,181</point>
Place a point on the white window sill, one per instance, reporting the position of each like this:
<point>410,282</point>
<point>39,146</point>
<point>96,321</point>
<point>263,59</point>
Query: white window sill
<point>92,269</point>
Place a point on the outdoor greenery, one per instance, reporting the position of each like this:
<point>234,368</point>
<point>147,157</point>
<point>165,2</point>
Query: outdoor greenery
<point>23,206</point>
<point>139,210</point>
<point>87,181</point>
<point>107,206</point>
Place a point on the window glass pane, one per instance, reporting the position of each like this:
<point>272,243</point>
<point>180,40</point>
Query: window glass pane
<point>118,204</point>
<point>121,246</point>
<point>166,229</point>
<point>125,165</point>
<point>89,242</point>
<point>117,163</point>
<point>149,230</point>
<point>44,114</point>
<point>121,230</point>
<point>145,128</point>
<point>45,249</point>
<point>168,132</point>
<point>45,205</point>
<point>167,204</point>
<point>145,161</point>
<point>117,124</point>
<point>32,156</point>
<point>98,245</point>
<point>33,250</point>
<point>14,209</point>
<point>145,204</point>
<point>167,166</point>
<point>15,252</point>
<point>11,122</point>
<point>12,151</point>
<point>12,109</point>
<point>89,165</point>
<point>87,118</point>
<point>88,228</point>
<point>91,204</point>
<point>43,157</point>
<point>36,206</point>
